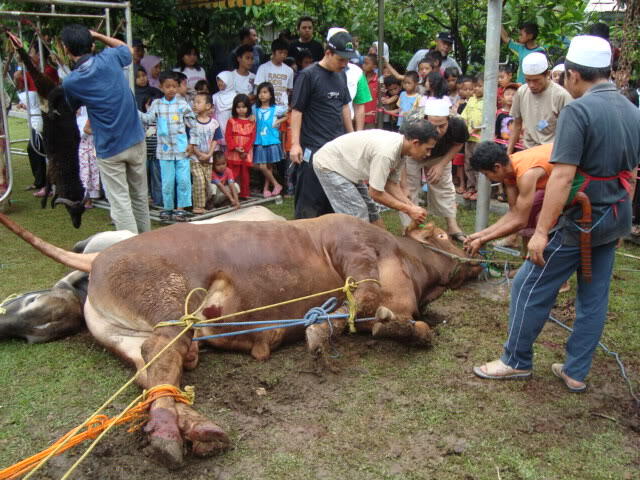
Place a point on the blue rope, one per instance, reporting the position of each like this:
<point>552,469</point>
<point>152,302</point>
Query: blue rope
<point>589,230</point>
<point>313,316</point>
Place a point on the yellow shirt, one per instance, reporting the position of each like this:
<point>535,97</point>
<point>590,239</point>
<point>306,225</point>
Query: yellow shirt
<point>472,115</point>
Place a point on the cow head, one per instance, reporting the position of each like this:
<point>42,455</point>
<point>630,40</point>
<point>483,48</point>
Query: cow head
<point>41,316</point>
<point>450,259</point>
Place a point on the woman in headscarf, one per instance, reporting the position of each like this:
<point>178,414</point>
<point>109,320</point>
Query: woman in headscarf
<point>152,65</point>
<point>144,92</point>
<point>223,100</point>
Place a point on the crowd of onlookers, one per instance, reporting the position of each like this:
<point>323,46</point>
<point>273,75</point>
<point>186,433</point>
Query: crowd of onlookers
<point>204,136</point>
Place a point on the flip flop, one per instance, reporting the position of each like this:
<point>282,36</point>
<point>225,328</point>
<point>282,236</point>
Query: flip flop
<point>556,368</point>
<point>497,370</point>
<point>458,236</point>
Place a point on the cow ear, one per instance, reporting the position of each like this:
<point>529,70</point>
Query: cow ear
<point>420,233</point>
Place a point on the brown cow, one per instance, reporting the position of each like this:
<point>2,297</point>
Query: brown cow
<point>144,280</point>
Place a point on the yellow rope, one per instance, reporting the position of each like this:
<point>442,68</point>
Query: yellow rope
<point>349,285</point>
<point>3,310</point>
<point>188,320</point>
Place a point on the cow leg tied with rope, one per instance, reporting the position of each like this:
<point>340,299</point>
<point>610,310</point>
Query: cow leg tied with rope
<point>170,423</point>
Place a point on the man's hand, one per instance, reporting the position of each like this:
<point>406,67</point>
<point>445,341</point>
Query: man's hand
<point>536,247</point>
<point>295,154</point>
<point>417,213</point>
<point>434,173</point>
<point>472,246</point>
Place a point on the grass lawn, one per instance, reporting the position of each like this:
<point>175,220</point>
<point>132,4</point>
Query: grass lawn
<point>392,412</point>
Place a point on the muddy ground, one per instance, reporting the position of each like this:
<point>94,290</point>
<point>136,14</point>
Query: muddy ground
<point>391,411</point>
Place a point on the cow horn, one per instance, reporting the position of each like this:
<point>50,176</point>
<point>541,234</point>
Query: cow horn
<point>420,232</point>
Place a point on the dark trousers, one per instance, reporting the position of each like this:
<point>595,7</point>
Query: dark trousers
<point>309,197</point>
<point>37,161</point>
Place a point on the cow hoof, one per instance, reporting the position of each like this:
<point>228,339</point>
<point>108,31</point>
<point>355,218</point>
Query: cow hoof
<point>168,452</point>
<point>208,449</point>
<point>423,335</point>
<point>383,314</point>
<point>191,358</point>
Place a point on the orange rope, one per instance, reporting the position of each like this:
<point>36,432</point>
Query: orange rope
<point>96,425</point>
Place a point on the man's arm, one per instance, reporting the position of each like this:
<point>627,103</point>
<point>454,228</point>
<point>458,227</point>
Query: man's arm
<point>515,219</point>
<point>296,124</point>
<point>346,118</point>
<point>393,200</point>
<point>109,41</point>
<point>358,116</point>
<point>504,35</point>
<point>555,197</point>
<point>434,172</point>
<point>515,135</point>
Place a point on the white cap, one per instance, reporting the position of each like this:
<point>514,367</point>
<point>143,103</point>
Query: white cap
<point>437,107</point>
<point>535,63</point>
<point>558,68</point>
<point>590,51</point>
<point>333,30</point>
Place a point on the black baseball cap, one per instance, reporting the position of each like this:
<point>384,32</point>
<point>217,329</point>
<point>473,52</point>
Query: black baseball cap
<point>445,37</point>
<point>340,42</point>
<point>136,42</point>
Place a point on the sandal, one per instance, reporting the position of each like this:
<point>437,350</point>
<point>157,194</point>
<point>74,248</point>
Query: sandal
<point>180,216</point>
<point>461,191</point>
<point>497,370</point>
<point>458,236</point>
<point>198,211</point>
<point>165,215</point>
<point>572,385</point>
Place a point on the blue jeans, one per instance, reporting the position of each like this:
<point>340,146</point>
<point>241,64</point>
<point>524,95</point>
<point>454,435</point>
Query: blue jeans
<point>176,176</point>
<point>534,292</point>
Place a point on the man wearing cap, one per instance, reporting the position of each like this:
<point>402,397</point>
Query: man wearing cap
<point>376,156</point>
<point>441,196</point>
<point>596,151</point>
<point>320,113</point>
<point>444,42</point>
<point>536,104</point>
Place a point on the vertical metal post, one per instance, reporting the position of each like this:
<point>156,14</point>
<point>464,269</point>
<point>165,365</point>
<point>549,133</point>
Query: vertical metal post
<point>380,115</point>
<point>129,35</point>
<point>5,147</point>
<point>107,16</point>
<point>40,47</point>
<point>491,59</point>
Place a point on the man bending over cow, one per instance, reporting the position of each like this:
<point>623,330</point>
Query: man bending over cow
<point>376,156</point>
<point>525,175</point>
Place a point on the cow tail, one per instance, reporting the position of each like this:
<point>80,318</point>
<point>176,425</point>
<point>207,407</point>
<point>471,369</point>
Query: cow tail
<point>77,261</point>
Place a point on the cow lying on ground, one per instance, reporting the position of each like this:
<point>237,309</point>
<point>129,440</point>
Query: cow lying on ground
<point>145,280</point>
<point>57,312</point>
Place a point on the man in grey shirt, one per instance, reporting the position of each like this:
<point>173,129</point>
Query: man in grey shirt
<point>444,43</point>
<point>596,151</point>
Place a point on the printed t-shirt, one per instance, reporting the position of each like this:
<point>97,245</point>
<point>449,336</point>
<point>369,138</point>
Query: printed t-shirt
<point>314,47</point>
<point>99,84</point>
<point>320,95</point>
<point>525,160</point>
<point>266,133</point>
<point>280,76</point>
<point>539,112</point>
<point>202,135</point>
<point>244,83</point>
<point>373,155</point>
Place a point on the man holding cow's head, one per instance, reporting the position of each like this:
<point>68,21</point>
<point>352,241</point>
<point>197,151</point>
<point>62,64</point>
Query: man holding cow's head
<point>376,156</point>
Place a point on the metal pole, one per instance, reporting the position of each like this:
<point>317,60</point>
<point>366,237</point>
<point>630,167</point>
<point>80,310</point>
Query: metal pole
<point>107,16</point>
<point>380,115</point>
<point>40,48</point>
<point>13,13</point>
<point>27,100</point>
<point>4,141</point>
<point>81,3</point>
<point>129,32</point>
<point>491,59</point>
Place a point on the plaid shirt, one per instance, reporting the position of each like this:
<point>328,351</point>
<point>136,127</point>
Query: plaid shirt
<point>171,119</point>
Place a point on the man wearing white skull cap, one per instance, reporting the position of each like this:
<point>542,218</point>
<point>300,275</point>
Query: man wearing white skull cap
<point>441,196</point>
<point>596,152</point>
<point>536,104</point>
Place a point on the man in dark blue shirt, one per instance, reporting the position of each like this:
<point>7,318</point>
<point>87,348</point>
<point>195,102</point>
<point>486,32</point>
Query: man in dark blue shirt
<point>596,151</point>
<point>99,83</point>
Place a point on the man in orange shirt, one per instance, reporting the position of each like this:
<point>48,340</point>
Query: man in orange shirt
<point>525,175</point>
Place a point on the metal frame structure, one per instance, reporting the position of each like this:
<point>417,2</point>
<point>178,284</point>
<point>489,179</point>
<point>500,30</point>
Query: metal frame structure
<point>5,137</point>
